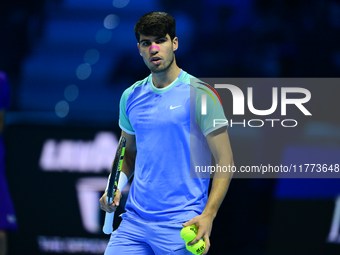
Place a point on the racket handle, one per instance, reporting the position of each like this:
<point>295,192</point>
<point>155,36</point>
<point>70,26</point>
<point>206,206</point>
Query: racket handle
<point>108,223</point>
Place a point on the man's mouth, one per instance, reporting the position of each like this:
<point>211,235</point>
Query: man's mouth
<point>156,60</point>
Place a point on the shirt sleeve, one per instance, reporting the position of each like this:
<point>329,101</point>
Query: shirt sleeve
<point>4,92</point>
<point>212,117</point>
<point>124,122</point>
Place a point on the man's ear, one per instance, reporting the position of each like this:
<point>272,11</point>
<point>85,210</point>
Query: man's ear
<point>175,43</point>
<point>140,53</point>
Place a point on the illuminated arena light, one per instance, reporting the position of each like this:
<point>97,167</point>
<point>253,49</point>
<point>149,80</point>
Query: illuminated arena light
<point>91,56</point>
<point>83,71</point>
<point>103,36</point>
<point>120,3</point>
<point>62,108</point>
<point>71,92</point>
<point>111,21</point>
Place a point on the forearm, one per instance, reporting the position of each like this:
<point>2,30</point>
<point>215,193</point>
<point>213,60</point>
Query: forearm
<point>218,191</point>
<point>220,147</point>
<point>129,159</point>
<point>126,172</point>
<point>128,166</point>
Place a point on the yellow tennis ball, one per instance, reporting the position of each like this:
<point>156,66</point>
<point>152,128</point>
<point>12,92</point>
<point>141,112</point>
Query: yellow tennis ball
<point>189,233</point>
<point>197,248</point>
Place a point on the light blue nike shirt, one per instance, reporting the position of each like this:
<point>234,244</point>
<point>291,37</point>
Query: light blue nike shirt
<point>170,136</point>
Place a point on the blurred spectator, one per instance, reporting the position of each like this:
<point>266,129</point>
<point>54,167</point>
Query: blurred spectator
<point>20,26</point>
<point>7,215</point>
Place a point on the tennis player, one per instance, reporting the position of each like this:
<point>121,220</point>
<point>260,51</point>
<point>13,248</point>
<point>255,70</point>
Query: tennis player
<point>167,137</point>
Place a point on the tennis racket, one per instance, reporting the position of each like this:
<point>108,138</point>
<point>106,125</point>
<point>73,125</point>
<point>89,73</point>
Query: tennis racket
<point>113,183</point>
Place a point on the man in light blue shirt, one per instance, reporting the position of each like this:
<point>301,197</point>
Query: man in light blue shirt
<point>167,137</point>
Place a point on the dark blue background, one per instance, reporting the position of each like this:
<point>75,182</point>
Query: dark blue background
<point>43,43</point>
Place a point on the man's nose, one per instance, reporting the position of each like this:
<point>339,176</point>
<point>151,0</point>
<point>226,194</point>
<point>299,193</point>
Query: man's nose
<point>154,49</point>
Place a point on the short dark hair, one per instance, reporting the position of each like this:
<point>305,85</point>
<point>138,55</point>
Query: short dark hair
<point>156,24</point>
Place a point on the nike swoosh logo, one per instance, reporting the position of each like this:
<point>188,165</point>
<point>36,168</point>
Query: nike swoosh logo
<point>173,107</point>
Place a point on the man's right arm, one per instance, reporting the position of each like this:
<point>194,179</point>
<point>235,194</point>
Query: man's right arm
<point>128,168</point>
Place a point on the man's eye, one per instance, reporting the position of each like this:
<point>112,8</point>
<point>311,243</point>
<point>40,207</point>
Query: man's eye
<point>146,43</point>
<point>160,41</point>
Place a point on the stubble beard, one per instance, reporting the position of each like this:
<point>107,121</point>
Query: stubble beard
<point>164,69</point>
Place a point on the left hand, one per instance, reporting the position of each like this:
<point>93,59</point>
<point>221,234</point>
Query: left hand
<point>204,226</point>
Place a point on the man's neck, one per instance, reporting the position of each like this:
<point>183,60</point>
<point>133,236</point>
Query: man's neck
<point>163,79</point>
